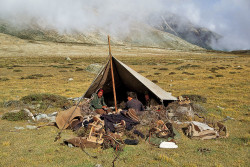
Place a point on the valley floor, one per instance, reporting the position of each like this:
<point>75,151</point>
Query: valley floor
<point>224,79</point>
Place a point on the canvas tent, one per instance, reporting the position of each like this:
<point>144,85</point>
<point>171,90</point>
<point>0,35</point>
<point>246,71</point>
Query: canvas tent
<point>126,79</point>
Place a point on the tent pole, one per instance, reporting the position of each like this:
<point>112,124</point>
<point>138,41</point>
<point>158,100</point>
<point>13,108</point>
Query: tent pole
<point>112,74</point>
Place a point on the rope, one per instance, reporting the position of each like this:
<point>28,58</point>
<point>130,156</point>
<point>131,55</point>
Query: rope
<point>81,146</point>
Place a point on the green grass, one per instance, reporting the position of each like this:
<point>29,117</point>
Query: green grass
<point>37,147</point>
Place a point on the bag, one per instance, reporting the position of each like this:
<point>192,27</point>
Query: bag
<point>198,130</point>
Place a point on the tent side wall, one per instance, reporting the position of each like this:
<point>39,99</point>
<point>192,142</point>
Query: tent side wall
<point>126,79</point>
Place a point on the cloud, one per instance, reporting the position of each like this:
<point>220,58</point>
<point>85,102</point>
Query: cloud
<point>226,17</point>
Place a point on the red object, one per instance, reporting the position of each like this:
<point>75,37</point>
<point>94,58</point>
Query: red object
<point>100,91</point>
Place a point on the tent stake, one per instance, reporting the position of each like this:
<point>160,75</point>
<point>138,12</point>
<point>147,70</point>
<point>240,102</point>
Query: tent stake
<point>112,74</point>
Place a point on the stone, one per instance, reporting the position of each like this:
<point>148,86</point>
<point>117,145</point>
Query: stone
<point>94,68</point>
<point>29,114</point>
<point>98,165</point>
<point>19,128</point>
<point>185,110</point>
<point>31,127</point>
<point>68,58</point>
<point>45,117</point>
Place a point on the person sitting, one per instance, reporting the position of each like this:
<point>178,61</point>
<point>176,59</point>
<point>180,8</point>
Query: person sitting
<point>134,103</point>
<point>97,103</point>
<point>149,102</point>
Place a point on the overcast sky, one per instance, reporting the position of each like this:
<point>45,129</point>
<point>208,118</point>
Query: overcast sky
<point>229,18</point>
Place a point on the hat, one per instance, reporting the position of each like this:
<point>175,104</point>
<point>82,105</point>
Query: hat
<point>132,94</point>
<point>132,114</point>
<point>100,90</point>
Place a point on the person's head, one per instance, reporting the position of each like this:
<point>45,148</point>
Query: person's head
<point>131,95</point>
<point>100,93</point>
<point>146,97</point>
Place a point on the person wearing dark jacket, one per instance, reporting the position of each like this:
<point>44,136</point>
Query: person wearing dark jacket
<point>134,103</point>
<point>149,102</point>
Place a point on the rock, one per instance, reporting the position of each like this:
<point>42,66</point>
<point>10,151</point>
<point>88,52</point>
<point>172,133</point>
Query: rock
<point>221,107</point>
<point>52,114</point>
<point>19,128</point>
<point>98,165</point>
<point>14,111</point>
<point>33,107</point>
<point>68,58</point>
<point>74,98</point>
<point>185,110</point>
<point>45,117</point>
<point>31,127</point>
<point>70,79</point>
<point>41,116</point>
<point>94,68</point>
<point>29,114</point>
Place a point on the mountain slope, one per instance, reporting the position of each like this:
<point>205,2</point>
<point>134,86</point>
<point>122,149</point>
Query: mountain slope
<point>184,29</point>
<point>139,35</point>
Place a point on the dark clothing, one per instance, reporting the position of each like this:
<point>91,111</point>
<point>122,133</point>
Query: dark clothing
<point>151,103</point>
<point>110,120</point>
<point>96,102</point>
<point>135,104</point>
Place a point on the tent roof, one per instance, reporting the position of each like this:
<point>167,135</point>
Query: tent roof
<point>126,79</point>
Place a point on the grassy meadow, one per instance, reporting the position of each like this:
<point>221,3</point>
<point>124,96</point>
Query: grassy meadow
<point>28,67</point>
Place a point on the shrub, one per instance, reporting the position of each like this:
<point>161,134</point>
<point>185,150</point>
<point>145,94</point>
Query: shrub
<point>196,98</point>
<point>44,98</point>
<point>4,79</point>
<point>219,75</point>
<point>187,66</point>
<point>79,69</point>
<point>36,76</point>
<point>163,68</point>
<point>152,63</point>
<point>63,71</point>
<point>213,70</point>
<point>16,116</point>
<point>17,70</point>
<point>188,73</point>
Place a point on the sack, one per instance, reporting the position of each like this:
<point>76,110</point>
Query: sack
<point>198,130</point>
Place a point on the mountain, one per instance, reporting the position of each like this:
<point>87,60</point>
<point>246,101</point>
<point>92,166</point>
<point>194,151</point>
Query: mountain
<point>140,34</point>
<point>184,29</point>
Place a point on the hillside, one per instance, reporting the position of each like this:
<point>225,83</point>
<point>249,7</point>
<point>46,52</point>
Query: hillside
<point>183,28</point>
<point>146,37</point>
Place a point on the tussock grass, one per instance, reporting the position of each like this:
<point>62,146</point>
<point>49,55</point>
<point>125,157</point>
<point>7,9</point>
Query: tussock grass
<point>54,100</point>
<point>4,79</point>
<point>16,116</point>
<point>37,148</point>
